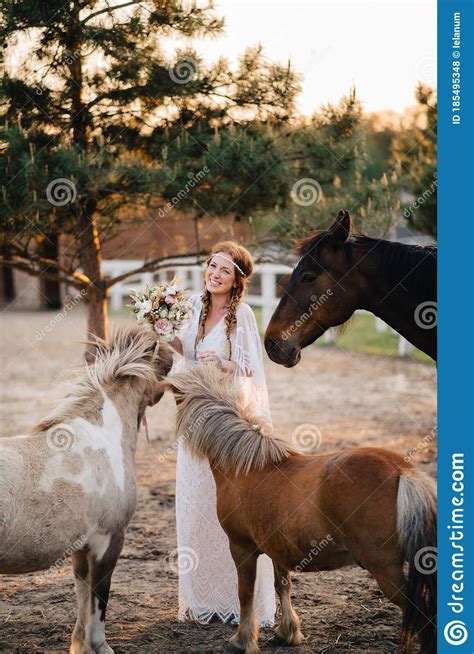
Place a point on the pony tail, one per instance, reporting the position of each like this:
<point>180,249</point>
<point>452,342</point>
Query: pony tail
<point>231,319</point>
<point>416,526</point>
<point>206,305</point>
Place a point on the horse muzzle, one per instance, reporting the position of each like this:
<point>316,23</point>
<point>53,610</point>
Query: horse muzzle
<point>283,352</point>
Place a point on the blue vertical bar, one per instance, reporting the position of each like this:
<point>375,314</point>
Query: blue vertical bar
<point>455,326</point>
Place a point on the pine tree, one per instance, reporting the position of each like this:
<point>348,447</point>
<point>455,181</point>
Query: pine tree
<point>90,117</point>
<point>415,153</point>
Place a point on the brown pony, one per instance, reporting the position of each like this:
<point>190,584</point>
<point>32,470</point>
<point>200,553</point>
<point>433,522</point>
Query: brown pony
<point>340,271</point>
<point>363,505</point>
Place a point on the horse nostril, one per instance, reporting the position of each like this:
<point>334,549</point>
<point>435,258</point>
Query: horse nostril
<point>270,344</point>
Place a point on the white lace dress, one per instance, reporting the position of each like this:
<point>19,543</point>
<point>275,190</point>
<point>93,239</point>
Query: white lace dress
<point>207,574</point>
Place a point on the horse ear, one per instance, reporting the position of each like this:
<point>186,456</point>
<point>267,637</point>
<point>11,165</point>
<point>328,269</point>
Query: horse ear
<point>341,227</point>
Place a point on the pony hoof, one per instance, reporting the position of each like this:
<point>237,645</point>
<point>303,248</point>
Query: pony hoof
<point>234,648</point>
<point>294,639</point>
<point>77,646</point>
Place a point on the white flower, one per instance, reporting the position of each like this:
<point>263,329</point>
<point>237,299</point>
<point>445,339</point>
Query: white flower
<point>144,306</point>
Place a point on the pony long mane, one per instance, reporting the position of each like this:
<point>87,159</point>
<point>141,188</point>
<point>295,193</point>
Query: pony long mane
<point>130,353</point>
<point>213,422</point>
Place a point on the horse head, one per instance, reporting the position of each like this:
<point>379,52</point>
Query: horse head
<point>323,291</point>
<point>134,356</point>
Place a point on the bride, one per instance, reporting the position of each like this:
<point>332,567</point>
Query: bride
<point>223,331</point>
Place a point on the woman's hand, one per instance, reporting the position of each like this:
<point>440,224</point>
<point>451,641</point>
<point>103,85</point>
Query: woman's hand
<point>209,356</point>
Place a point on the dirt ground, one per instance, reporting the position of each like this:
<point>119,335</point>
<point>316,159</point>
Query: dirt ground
<point>352,399</point>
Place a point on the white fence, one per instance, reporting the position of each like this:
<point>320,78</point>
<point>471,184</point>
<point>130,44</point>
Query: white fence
<point>262,291</point>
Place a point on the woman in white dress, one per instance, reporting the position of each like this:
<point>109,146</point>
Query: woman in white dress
<point>223,331</point>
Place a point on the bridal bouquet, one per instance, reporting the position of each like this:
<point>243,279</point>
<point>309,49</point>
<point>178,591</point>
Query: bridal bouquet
<point>162,307</point>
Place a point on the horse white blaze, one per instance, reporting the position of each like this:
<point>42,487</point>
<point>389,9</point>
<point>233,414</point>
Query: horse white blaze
<point>106,437</point>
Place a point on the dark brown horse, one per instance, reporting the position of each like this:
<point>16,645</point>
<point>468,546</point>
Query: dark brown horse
<point>339,272</point>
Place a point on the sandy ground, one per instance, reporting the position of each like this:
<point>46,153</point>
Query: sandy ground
<point>350,399</point>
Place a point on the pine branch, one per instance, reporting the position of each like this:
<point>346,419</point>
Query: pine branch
<point>109,10</point>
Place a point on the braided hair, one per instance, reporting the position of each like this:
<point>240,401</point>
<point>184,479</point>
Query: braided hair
<point>242,257</point>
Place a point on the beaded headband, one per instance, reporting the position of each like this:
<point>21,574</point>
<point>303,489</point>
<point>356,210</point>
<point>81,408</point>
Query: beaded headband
<point>223,256</point>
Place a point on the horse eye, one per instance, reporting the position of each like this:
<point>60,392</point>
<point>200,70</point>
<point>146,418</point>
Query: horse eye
<point>307,277</point>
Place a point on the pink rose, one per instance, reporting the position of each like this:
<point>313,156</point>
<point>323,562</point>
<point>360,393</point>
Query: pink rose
<point>163,327</point>
<point>169,299</point>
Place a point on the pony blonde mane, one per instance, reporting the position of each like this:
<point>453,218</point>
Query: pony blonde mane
<point>130,353</point>
<point>213,422</point>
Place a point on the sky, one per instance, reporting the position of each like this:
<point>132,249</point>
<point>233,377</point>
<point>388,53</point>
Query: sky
<point>383,47</point>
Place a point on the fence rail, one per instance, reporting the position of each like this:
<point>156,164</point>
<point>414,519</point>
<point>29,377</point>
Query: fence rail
<point>262,290</point>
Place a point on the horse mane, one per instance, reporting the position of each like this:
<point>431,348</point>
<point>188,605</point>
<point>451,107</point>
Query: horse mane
<point>303,245</point>
<point>213,422</point>
<point>398,260</point>
<point>129,354</point>
<point>412,264</point>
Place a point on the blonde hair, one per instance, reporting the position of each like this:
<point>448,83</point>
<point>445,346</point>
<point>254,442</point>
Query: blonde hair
<point>242,257</point>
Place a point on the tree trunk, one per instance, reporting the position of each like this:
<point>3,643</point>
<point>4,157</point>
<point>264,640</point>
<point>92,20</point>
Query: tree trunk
<point>91,263</point>
<point>7,280</point>
<point>51,290</point>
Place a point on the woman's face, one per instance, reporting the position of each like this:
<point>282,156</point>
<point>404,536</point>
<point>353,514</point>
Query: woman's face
<point>220,276</point>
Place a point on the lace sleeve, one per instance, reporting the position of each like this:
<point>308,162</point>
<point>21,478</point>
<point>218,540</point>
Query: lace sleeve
<point>247,352</point>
